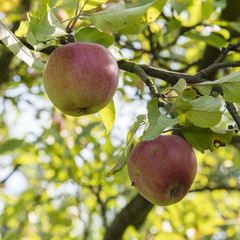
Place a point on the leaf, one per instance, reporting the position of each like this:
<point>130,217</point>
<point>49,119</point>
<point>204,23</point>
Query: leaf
<point>205,90</point>
<point>129,145</point>
<point>155,10</point>
<point>179,86</point>
<point>185,96</point>
<point>213,39</point>
<point>107,116</point>
<point>17,47</point>
<point>22,30</point>
<point>93,35</point>
<point>10,145</point>
<point>49,27</point>
<point>157,121</point>
<point>205,139</point>
<point>117,16</point>
<point>92,4</point>
<point>116,52</point>
<point>229,84</point>
<point>205,112</point>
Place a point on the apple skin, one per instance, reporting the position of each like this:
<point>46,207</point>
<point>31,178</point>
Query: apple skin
<point>80,78</point>
<point>162,170</point>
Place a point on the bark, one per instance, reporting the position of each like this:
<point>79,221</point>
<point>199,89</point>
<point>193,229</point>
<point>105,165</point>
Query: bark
<point>134,214</point>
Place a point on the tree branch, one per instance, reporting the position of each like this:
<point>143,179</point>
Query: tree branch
<point>137,210</point>
<point>233,111</point>
<point>216,66</point>
<point>136,68</point>
<point>133,214</point>
<point>10,174</point>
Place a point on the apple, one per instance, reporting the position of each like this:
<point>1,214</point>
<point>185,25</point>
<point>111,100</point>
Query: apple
<point>80,78</point>
<point>162,170</point>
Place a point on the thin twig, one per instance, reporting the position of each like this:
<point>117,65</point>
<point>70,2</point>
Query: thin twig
<point>72,23</point>
<point>215,66</point>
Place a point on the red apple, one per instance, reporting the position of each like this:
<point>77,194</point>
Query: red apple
<point>80,78</point>
<point>162,170</point>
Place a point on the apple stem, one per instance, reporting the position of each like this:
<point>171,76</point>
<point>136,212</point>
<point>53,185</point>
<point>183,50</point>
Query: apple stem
<point>72,23</point>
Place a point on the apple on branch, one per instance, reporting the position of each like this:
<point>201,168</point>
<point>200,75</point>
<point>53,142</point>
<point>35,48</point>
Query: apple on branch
<point>162,170</point>
<point>80,78</point>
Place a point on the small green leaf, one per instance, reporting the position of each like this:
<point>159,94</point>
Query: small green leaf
<point>157,122</point>
<point>93,35</point>
<point>189,94</point>
<point>205,139</point>
<point>107,116</point>
<point>179,86</point>
<point>10,145</point>
<point>205,112</point>
<point>130,141</point>
<point>116,52</point>
<point>155,10</point>
<point>22,30</point>
<point>185,96</point>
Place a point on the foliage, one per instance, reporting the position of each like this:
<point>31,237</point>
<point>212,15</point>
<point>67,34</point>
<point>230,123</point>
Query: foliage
<point>179,74</point>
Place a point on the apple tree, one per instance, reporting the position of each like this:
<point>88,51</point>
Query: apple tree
<point>87,86</point>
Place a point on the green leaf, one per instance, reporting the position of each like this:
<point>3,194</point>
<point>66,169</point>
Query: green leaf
<point>117,16</point>
<point>181,104</point>
<point>49,27</point>
<point>155,10</point>
<point>213,39</point>
<point>205,112</point>
<point>229,84</point>
<point>20,50</point>
<point>91,4</point>
<point>22,30</point>
<point>179,6</point>
<point>179,86</point>
<point>157,122</point>
<point>10,145</point>
<point>116,52</point>
<point>204,90</point>
<point>43,8</point>
<point>129,145</point>
<point>205,139</point>
<point>107,116</point>
<point>93,35</point>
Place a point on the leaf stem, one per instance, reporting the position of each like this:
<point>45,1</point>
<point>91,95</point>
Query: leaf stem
<point>72,23</point>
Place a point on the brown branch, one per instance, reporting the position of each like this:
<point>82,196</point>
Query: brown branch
<point>168,76</point>
<point>225,51</point>
<point>134,214</point>
<point>233,111</point>
<point>10,174</point>
<point>228,188</point>
<point>137,210</point>
<point>216,66</point>
<point>136,68</point>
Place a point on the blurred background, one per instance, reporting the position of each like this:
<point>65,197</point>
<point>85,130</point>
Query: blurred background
<point>53,168</point>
